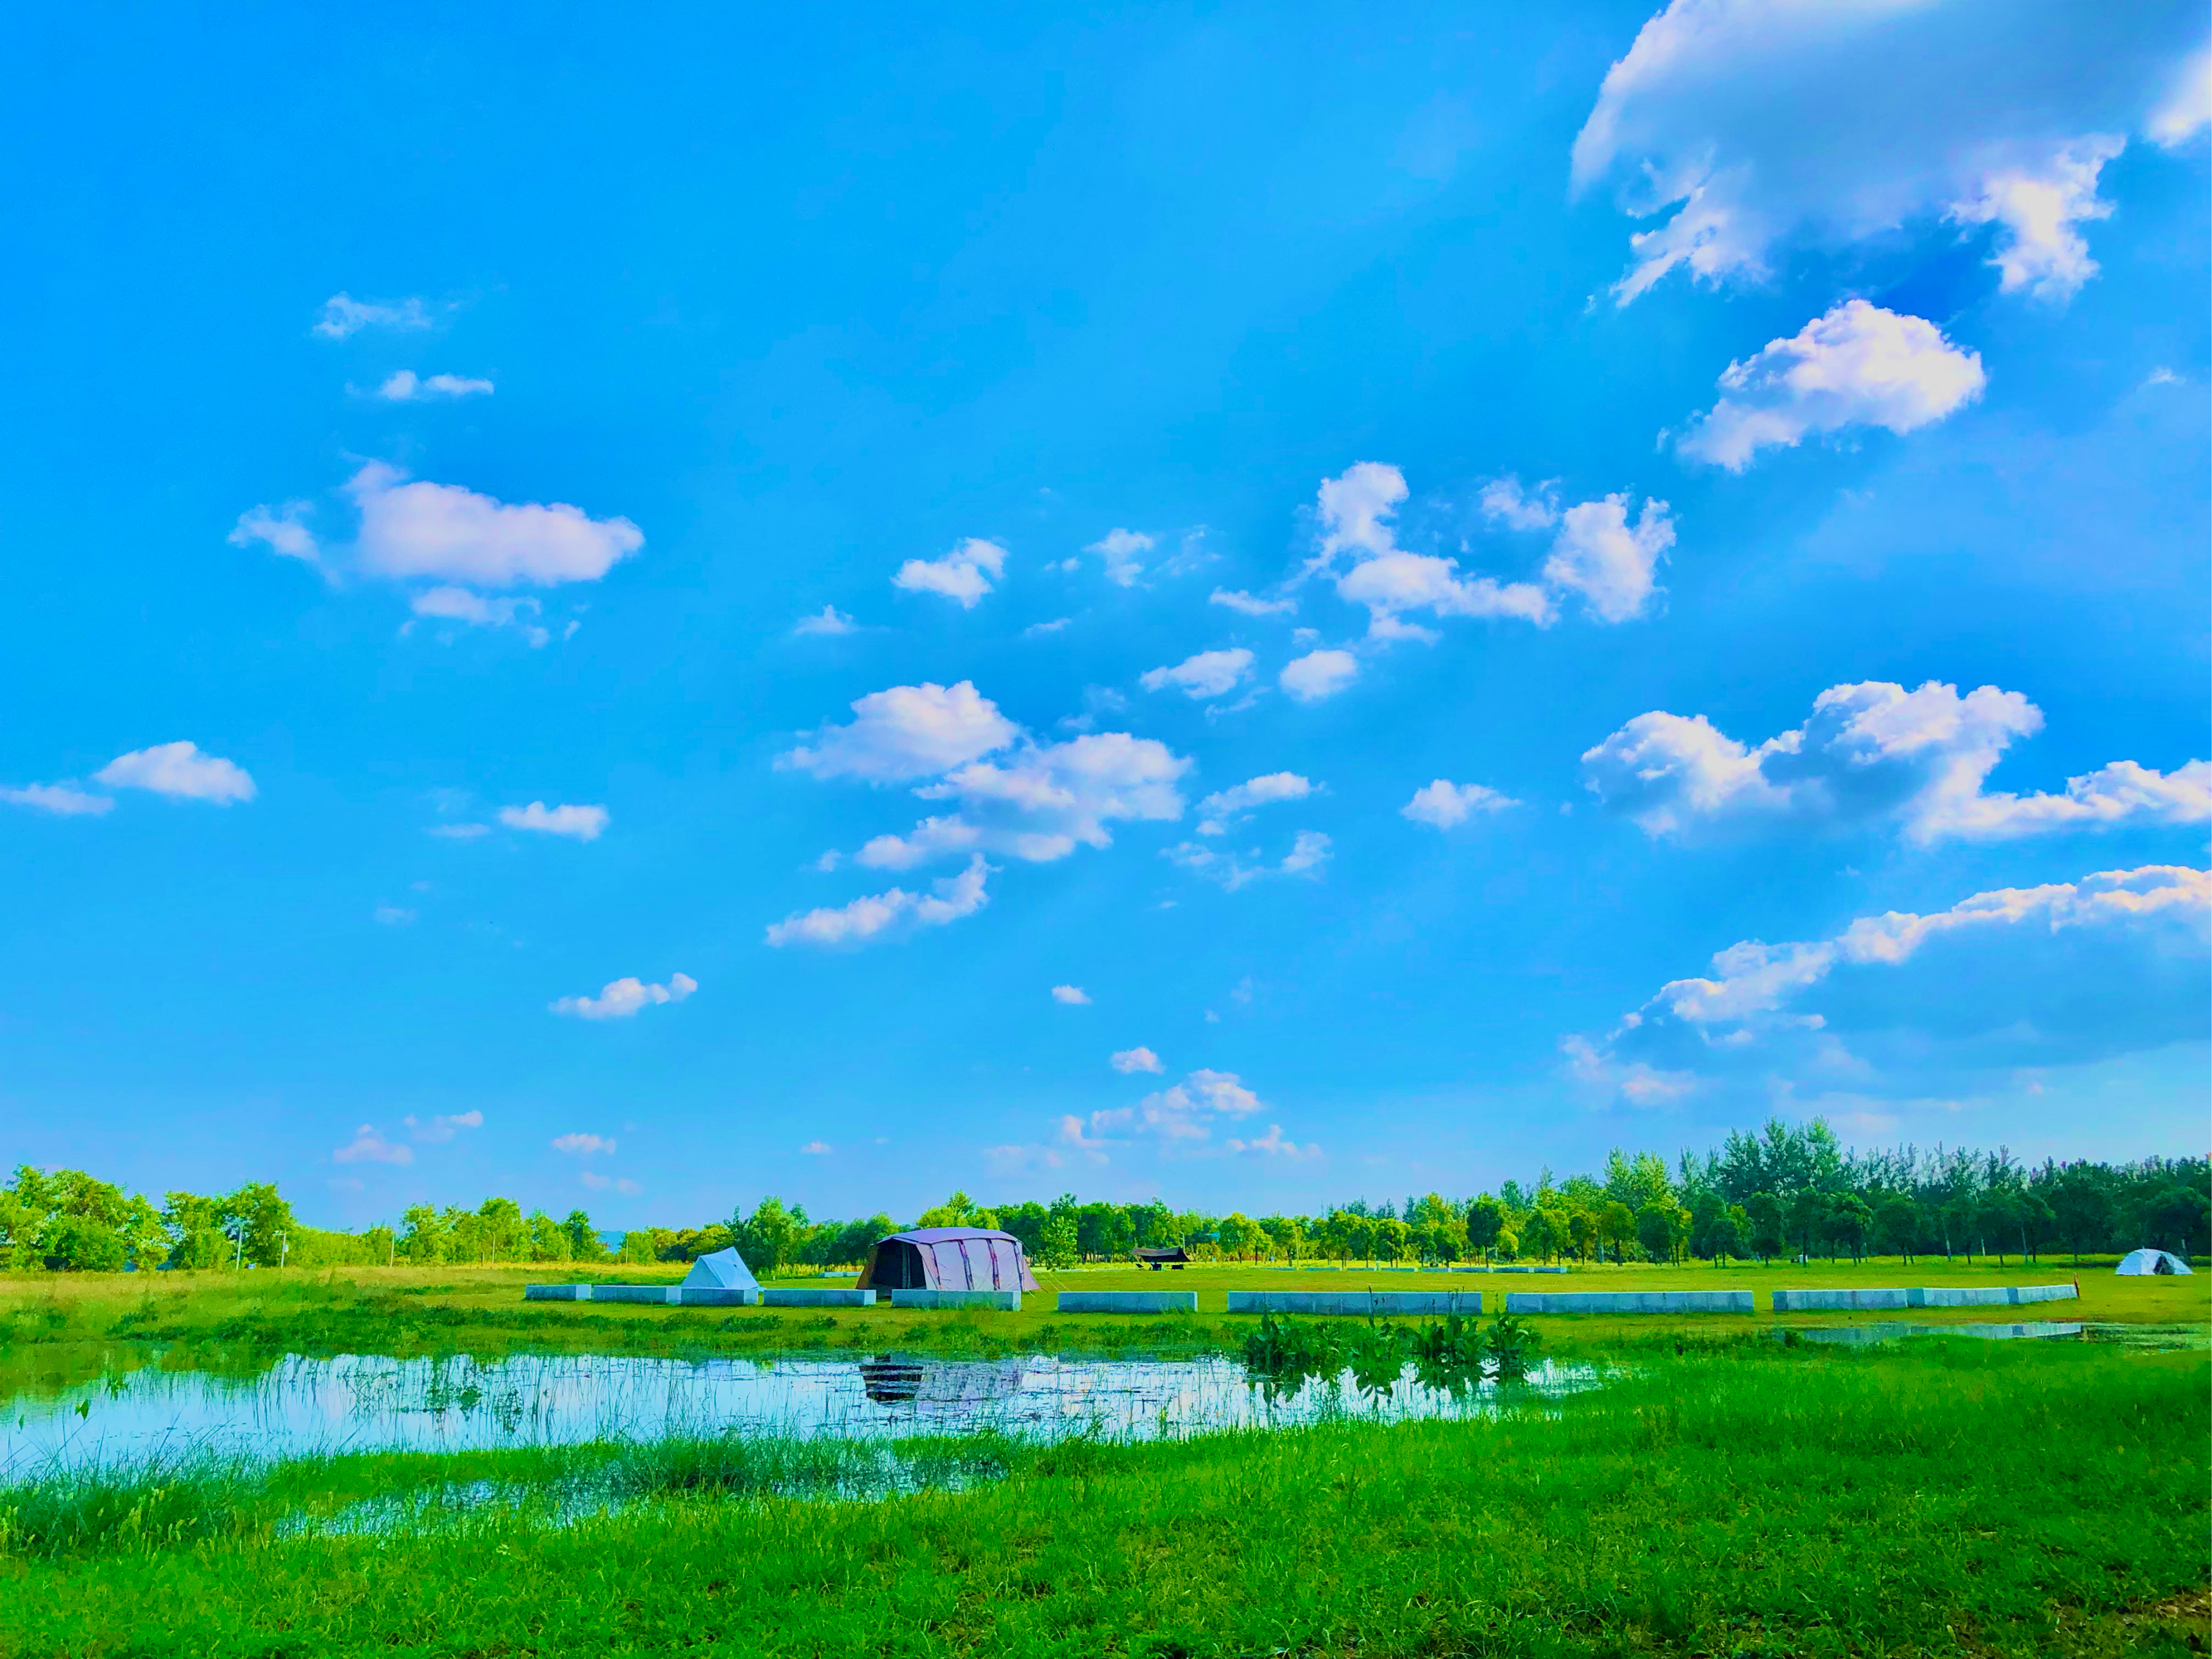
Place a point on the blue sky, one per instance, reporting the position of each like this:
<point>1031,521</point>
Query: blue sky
<point>1475,589</point>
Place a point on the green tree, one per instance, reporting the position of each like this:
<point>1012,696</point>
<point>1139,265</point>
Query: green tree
<point>2083,1207</point>
<point>1808,1216</point>
<point>1393,1239</point>
<point>1654,1230</point>
<point>1616,1225</point>
<point>769,1237</point>
<point>1767,1225</point>
<point>1851,1221</point>
<point>2178,1217</point>
<point>1542,1234</point>
<point>258,1213</point>
<point>1057,1246</point>
<point>1897,1226</point>
<point>1485,1219</point>
<point>84,1244</point>
<point>584,1243</point>
<point>1238,1235</point>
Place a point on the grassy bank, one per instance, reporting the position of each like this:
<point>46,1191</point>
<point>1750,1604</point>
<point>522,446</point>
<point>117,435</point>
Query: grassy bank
<point>1946,1497</point>
<point>57,1329</point>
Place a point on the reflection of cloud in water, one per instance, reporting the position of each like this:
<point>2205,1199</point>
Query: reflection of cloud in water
<point>376,1403</point>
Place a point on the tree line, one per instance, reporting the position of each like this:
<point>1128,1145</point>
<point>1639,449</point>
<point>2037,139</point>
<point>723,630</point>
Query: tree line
<point>1784,1191</point>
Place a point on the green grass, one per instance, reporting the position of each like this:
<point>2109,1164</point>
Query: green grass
<point>59,1330</point>
<point>1935,1497</point>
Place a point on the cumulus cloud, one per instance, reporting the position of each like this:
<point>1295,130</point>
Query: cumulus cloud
<point>1600,555</point>
<point>2067,972</point>
<point>830,622</point>
<point>1071,996</point>
<point>65,800</point>
<point>1040,630</point>
<point>405,386</point>
<point>1504,501</point>
<point>576,823</point>
<point>1445,804</point>
<point>1856,366</point>
<point>892,915</point>
<point>1208,674</point>
<point>1273,1145</point>
<point>437,1131</point>
<point>1119,549</point>
<point>1227,806</point>
<point>1185,1112</point>
<point>582,1145</point>
<point>180,771</point>
<point>963,575</point>
<point>1873,753</point>
<point>282,530</point>
<point>1359,512</point>
<point>817,1149</point>
<point>599,1183</point>
<point>1318,675</point>
<point>446,533</point>
<point>906,732</point>
<point>342,316</point>
<point>1135,1059</point>
<point>1754,124</point>
<point>367,1147</point>
<point>1246,605</point>
<point>621,999</point>
<point>481,611</point>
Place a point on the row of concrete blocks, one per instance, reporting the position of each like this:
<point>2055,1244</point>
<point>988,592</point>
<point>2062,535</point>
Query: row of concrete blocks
<point>1458,1267</point>
<point>1994,1296</point>
<point>699,1296</point>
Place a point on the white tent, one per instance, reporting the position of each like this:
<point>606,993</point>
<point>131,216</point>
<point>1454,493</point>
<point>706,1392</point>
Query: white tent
<point>726,1270</point>
<point>2151,1262</point>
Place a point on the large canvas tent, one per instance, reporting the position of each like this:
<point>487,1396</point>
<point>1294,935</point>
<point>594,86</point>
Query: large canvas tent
<point>725,1270</point>
<point>948,1259</point>
<point>2151,1262</point>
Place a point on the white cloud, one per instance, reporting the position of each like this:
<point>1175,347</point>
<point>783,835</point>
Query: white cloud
<point>1208,674</point>
<point>1135,1059</point>
<point>1272,1144</point>
<point>889,914</point>
<point>1217,810</point>
<point>451,534</point>
<point>1874,753</point>
<point>1609,561</point>
<point>577,823</point>
<point>1634,1082</point>
<point>405,386</point>
<point>62,800</point>
<point>1071,996</point>
<point>180,771</point>
<point>1444,804</point>
<point>2066,973</point>
<point>817,1149</point>
<point>391,915</point>
<point>1763,124</point>
<point>1856,366</point>
<point>1038,630</point>
<point>583,1146</point>
<point>1358,510</point>
<point>344,315</point>
<point>1119,549</point>
<point>438,1130</point>
<point>599,1183</point>
<point>2187,109</point>
<point>367,1147</point>
<point>832,621</point>
<point>963,575</point>
<point>1318,675</point>
<point>907,732</point>
<point>459,605</point>
<point>282,530</point>
<point>621,999</point>
<point>1043,801</point>
<point>1308,851</point>
<point>1246,605</point>
<point>1506,502</point>
<point>1184,1112</point>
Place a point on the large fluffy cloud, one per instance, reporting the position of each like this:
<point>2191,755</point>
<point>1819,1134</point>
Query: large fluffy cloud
<point>1225,807</point>
<point>963,575</point>
<point>447,533</point>
<point>1874,754</point>
<point>2068,973</point>
<point>1208,674</point>
<point>180,771</point>
<point>1752,123</point>
<point>1857,366</point>
<point>906,732</point>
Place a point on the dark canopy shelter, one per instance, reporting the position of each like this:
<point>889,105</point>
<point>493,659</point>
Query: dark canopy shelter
<point>948,1259</point>
<point>1173,1255</point>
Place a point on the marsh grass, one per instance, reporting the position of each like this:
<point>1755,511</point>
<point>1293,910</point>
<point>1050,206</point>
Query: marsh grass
<point>1936,1497</point>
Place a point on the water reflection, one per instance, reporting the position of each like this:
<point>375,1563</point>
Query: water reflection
<point>301,1406</point>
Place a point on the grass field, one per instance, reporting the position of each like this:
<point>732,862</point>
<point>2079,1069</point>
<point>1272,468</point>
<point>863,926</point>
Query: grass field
<point>60,1329</point>
<point>1941,1497</point>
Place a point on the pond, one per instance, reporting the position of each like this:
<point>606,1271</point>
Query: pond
<point>360,1403</point>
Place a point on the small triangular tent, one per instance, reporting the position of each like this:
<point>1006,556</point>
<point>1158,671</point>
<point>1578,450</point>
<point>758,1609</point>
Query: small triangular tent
<point>725,1270</point>
<point>2151,1262</point>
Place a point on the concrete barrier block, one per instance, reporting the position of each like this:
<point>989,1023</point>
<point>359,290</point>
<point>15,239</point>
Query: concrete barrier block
<point>2046,1293</point>
<point>787,1298</point>
<point>663,1293</point>
<point>1618,1302</point>
<point>716,1296</point>
<point>556,1293</point>
<point>1127,1301</point>
<point>1829,1301</point>
<point>1356,1304</point>
<point>1006,1301</point>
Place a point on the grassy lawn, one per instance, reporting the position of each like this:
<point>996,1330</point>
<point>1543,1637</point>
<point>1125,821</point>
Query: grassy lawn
<point>60,1329</point>
<point>1936,1498</point>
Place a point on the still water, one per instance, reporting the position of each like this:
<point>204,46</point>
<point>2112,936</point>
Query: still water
<point>355,1403</point>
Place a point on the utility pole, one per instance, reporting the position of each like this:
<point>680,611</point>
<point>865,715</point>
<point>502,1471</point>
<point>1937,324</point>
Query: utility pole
<point>238,1259</point>
<point>284,1249</point>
